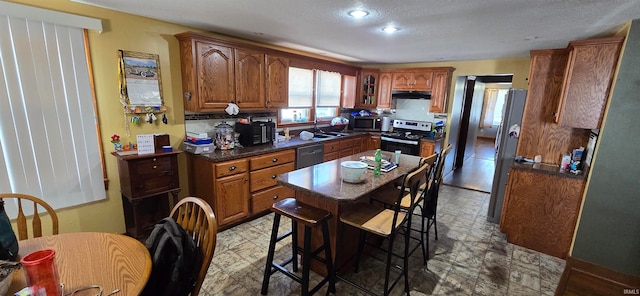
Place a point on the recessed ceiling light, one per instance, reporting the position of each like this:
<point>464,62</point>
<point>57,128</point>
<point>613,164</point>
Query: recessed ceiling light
<point>390,29</point>
<point>358,13</point>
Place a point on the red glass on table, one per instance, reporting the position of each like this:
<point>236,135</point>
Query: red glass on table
<point>41,274</point>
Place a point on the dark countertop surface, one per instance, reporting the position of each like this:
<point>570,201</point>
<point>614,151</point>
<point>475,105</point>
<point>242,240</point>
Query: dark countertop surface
<point>550,169</point>
<point>324,180</point>
<point>224,155</point>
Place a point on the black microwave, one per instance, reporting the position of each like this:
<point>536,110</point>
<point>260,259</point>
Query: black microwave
<point>255,133</point>
<point>364,123</point>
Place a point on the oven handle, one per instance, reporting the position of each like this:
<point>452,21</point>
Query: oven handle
<point>399,141</point>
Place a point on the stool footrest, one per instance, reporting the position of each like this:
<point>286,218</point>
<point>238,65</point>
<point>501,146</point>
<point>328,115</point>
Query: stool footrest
<point>283,236</point>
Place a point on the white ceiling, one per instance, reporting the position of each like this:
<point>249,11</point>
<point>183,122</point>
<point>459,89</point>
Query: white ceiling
<point>431,30</point>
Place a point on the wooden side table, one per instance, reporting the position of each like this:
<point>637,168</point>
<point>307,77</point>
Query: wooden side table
<point>145,182</point>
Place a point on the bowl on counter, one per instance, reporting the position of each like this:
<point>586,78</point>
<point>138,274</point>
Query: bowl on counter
<point>353,171</point>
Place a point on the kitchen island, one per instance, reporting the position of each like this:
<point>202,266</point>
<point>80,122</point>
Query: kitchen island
<point>321,186</point>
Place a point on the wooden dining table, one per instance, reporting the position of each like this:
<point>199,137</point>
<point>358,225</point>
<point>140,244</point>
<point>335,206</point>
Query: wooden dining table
<point>110,261</point>
<point>321,186</point>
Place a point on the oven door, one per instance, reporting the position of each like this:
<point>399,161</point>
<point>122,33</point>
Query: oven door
<point>407,147</point>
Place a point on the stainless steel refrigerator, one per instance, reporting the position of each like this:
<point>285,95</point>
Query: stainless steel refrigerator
<point>506,145</point>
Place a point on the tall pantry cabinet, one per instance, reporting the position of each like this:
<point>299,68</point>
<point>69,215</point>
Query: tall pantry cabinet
<point>568,89</point>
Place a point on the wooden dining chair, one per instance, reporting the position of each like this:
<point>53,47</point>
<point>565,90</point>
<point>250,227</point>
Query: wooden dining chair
<point>197,218</point>
<point>39,206</point>
<point>431,199</point>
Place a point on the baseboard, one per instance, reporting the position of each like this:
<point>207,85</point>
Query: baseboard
<point>585,278</point>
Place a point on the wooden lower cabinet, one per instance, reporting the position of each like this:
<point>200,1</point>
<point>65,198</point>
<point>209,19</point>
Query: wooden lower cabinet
<point>231,198</point>
<point>262,201</point>
<point>373,143</point>
<point>427,148</point>
<point>242,188</point>
<point>541,210</point>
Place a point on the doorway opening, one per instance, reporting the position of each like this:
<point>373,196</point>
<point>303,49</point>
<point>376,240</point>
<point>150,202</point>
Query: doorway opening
<point>472,131</point>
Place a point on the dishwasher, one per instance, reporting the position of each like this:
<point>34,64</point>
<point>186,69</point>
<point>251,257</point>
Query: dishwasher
<point>309,155</point>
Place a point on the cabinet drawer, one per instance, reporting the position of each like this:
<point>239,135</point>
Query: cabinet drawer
<point>156,184</point>
<point>331,156</point>
<point>344,144</point>
<point>232,167</point>
<point>265,178</point>
<point>263,200</point>
<point>345,152</point>
<point>154,165</point>
<point>332,146</point>
<point>272,159</point>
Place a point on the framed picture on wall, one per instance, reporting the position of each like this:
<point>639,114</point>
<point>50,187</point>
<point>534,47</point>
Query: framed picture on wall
<point>140,81</point>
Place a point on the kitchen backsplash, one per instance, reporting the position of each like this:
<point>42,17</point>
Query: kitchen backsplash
<point>413,110</point>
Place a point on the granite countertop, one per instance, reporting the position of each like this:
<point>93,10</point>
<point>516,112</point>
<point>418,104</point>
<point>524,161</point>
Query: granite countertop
<point>224,155</point>
<point>550,169</point>
<point>324,179</point>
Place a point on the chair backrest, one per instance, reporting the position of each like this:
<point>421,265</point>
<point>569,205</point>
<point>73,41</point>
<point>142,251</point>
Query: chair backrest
<point>431,199</point>
<point>197,218</point>
<point>39,206</point>
<point>411,183</point>
<point>440,166</point>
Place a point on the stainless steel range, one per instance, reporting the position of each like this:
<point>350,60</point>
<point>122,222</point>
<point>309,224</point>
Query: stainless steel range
<point>405,136</point>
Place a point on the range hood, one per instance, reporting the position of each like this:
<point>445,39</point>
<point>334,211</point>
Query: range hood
<point>412,95</point>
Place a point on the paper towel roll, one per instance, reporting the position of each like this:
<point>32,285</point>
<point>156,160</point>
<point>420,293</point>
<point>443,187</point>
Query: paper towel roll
<point>385,124</point>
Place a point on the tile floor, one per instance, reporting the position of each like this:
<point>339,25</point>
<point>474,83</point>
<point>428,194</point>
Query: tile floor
<point>471,257</point>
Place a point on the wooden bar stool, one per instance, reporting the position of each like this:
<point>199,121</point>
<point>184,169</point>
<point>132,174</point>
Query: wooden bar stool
<point>310,217</point>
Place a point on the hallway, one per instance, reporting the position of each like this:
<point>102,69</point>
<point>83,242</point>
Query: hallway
<point>477,171</point>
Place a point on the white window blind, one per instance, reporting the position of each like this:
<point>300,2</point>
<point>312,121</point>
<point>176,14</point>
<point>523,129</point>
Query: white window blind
<point>48,128</point>
<point>329,84</point>
<point>300,88</point>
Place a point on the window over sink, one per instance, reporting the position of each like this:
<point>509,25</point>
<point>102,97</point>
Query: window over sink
<point>313,94</point>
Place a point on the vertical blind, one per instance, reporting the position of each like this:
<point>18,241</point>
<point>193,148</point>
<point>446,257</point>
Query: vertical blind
<point>48,127</point>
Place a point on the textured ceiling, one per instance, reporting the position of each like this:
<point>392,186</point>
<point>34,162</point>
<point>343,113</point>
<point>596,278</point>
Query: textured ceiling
<point>431,30</point>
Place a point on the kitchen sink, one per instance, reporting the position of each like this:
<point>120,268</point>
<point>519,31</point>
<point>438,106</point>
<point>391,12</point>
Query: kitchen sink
<point>337,134</point>
<point>322,136</point>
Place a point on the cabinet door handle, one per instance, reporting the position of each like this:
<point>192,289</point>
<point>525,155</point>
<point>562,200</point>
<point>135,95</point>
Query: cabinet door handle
<point>187,96</point>
<point>273,176</point>
<point>155,167</point>
<point>274,159</point>
<point>232,168</point>
<point>154,159</point>
<point>275,197</point>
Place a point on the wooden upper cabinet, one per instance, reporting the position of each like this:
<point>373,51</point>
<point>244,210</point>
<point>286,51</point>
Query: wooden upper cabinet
<point>440,90</point>
<point>207,75</point>
<point>413,80</point>
<point>216,72</point>
<point>587,81</point>
<point>348,91</point>
<point>277,82</point>
<point>384,90</point>
<point>368,89</point>
<point>250,78</point>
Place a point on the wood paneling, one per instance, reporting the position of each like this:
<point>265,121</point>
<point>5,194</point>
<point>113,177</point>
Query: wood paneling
<point>540,135</point>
